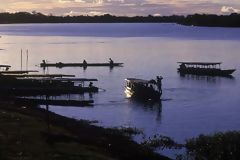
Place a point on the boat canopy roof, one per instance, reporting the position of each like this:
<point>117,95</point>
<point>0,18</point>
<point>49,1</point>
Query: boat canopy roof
<point>139,81</point>
<point>76,79</point>
<point>6,66</point>
<point>201,63</point>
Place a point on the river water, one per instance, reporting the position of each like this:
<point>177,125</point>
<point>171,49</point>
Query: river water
<point>191,105</point>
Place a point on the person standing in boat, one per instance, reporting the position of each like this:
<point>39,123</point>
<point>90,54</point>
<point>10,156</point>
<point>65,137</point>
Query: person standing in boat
<point>90,85</point>
<point>111,62</point>
<point>159,84</point>
<point>84,62</point>
<point>183,66</point>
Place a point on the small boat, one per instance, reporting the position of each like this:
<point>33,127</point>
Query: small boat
<point>142,89</point>
<point>84,65</point>
<point>201,68</point>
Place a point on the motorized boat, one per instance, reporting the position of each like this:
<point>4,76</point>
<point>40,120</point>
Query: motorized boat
<point>203,68</point>
<point>142,89</point>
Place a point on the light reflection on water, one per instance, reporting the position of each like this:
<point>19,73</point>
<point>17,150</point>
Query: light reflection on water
<point>191,106</point>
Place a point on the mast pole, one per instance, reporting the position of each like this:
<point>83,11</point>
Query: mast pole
<point>21,59</point>
<point>27,61</point>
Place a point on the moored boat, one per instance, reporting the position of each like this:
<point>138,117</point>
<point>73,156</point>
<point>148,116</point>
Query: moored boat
<point>201,68</point>
<point>42,86</point>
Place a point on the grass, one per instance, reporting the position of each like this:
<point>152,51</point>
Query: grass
<point>25,137</point>
<point>161,142</point>
<point>29,132</point>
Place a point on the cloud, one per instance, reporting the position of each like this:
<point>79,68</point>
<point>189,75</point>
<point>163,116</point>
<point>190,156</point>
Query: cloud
<point>69,1</point>
<point>89,13</point>
<point>227,9</point>
<point>95,13</point>
<point>122,7</point>
<point>156,14</point>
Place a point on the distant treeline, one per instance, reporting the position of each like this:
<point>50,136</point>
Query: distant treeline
<point>232,20</point>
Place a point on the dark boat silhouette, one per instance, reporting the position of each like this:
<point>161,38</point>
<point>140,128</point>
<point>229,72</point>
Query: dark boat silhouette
<point>201,68</point>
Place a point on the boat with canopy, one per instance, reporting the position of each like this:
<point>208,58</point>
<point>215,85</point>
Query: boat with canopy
<point>203,68</point>
<point>142,89</point>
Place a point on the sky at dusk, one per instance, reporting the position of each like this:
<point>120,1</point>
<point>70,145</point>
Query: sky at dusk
<point>122,7</point>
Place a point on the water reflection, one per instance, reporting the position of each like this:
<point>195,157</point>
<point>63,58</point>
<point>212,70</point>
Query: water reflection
<point>209,79</point>
<point>155,107</point>
<point>212,101</point>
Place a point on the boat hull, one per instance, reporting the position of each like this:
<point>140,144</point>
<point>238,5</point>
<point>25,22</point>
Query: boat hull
<point>11,85</point>
<point>142,94</point>
<point>205,71</point>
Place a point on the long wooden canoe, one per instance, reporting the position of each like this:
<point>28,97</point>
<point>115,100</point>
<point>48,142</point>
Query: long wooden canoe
<point>78,103</point>
<point>61,65</point>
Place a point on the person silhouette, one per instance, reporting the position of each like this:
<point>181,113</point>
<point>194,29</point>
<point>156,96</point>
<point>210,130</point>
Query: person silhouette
<point>159,84</point>
<point>90,84</point>
<point>84,62</point>
<point>111,61</point>
<point>183,66</point>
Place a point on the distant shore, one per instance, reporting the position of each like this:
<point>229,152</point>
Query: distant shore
<point>31,132</point>
<point>208,20</point>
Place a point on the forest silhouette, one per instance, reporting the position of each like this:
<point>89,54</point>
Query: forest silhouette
<point>210,20</point>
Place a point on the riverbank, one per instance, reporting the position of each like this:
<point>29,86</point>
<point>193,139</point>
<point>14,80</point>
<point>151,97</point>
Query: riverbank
<point>29,132</point>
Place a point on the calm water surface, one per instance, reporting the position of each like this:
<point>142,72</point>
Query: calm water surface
<point>191,105</point>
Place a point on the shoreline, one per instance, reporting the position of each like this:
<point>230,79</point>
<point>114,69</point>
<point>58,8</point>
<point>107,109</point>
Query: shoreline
<point>107,142</point>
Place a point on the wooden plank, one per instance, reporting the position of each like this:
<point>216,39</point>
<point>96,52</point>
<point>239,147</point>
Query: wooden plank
<point>43,75</point>
<point>5,66</point>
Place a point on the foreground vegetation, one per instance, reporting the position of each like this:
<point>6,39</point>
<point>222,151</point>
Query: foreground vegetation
<point>232,20</point>
<point>28,132</point>
<point>218,146</point>
<point>32,133</point>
